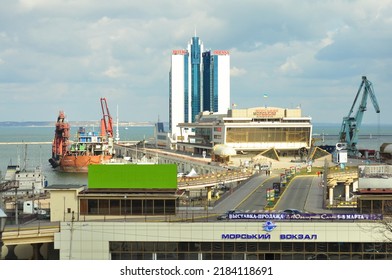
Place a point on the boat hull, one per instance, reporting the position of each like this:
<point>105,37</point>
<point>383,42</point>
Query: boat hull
<point>79,164</point>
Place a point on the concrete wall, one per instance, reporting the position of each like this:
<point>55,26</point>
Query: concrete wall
<point>90,240</point>
<point>63,202</point>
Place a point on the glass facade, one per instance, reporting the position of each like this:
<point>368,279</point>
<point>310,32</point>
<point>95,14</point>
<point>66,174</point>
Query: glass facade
<point>195,63</point>
<point>210,82</point>
<point>214,85</point>
<point>207,67</point>
<point>249,251</point>
<point>203,135</point>
<point>267,134</point>
<point>148,206</point>
<point>374,204</point>
<point>200,83</point>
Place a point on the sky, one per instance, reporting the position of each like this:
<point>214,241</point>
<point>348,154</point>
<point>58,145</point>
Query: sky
<point>67,54</point>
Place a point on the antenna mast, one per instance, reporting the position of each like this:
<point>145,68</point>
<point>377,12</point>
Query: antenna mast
<point>117,132</point>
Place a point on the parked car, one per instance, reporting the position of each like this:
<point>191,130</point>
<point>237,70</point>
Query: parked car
<point>292,211</point>
<point>225,216</point>
<point>233,211</point>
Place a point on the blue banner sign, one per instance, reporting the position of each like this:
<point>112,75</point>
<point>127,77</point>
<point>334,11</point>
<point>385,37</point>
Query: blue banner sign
<point>284,216</point>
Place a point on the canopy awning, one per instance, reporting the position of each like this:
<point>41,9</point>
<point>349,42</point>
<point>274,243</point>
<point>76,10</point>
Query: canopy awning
<point>224,150</point>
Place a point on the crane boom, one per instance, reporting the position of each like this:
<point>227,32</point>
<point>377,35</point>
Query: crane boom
<point>351,124</point>
<point>106,121</point>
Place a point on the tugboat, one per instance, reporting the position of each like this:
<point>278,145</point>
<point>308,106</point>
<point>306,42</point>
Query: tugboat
<point>88,147</point>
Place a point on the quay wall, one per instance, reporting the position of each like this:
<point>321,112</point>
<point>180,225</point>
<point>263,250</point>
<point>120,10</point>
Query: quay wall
<point>185,163</point>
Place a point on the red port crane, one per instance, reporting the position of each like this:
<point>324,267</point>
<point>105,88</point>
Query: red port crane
<point>61,139</point>
<point>106,121</point>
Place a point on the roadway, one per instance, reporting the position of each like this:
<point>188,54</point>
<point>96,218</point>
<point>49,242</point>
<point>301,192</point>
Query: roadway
<point>257,200</point>
<point>296,195</point>
<point>245,195</point>
<point>303,193</point>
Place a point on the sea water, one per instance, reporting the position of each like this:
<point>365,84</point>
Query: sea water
<point>32,155</point>
<point>370,136</point>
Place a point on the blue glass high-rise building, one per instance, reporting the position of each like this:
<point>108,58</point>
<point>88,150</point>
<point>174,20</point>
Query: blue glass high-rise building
<point>199,81</point>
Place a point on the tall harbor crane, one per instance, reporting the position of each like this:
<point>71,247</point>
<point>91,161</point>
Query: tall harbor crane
<point>106,121</point>
<point>351,124</point>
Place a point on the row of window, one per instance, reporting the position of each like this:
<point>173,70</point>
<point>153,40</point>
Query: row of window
<point>246,256</point>
<point>127,206</point>
<point>271,134</point>
<point>225,247</point>
<point>372,206</point>
<point>248,251</point>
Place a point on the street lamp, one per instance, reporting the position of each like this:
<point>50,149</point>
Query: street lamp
<point>3,218</point>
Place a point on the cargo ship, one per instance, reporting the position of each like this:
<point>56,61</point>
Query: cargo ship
<point>88,147</point>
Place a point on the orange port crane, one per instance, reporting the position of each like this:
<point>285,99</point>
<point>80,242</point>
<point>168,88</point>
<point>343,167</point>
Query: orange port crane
<point>106,121</point>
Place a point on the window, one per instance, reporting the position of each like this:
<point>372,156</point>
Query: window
<point>103,207</point>
<point>92,206</point>
<point>137,207</point>
<point>126,207</point>
<point>159,207</point>
<point>114,207</point>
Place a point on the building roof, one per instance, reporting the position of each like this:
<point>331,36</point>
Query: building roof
<point>224,150</point>
<point>65,187</point>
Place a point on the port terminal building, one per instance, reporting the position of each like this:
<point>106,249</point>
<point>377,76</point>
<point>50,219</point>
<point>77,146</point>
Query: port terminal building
<point>251,130</point>
<point>265,236</point>
<point>132,216</point>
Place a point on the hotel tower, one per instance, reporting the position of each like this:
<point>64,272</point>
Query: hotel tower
<point>199,81</point>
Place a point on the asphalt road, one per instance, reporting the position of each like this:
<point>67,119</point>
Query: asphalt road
<point>244,194</point>
<point>256,201</point>
<point>296,194</point>
<point>303,193</point>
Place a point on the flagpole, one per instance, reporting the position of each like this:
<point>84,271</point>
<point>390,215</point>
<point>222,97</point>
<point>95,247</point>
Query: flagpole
<point>265,96</point>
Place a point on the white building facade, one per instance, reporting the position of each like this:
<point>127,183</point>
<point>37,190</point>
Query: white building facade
<point>287,240</point>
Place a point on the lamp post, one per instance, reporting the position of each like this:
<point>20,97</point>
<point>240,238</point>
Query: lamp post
<point>3,218</point>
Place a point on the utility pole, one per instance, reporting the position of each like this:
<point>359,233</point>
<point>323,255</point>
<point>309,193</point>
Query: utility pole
<point>71,230</point>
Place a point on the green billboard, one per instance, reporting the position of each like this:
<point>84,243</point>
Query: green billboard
<point>132,176</point>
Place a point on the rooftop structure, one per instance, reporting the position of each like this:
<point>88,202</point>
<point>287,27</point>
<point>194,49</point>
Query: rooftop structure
<point>117,189</point>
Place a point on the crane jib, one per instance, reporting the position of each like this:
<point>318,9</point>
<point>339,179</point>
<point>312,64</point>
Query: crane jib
<point>351,124</point>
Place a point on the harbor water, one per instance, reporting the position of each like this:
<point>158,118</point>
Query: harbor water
<point>370,137</point>
<point>32,155</point>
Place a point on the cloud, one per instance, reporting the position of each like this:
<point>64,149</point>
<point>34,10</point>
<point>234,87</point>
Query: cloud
<point>307,52</point>
<point>114,72</point>
<point>289,67</point>
<point>236,72</point>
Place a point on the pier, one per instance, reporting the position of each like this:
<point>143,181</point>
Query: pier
<point>185,161</point>
<point>26,143</point>
<point>208,174</point>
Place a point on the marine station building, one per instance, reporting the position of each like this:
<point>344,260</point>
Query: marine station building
<point>245,130</point>
<point>130,212</point>
<point>136,219</point>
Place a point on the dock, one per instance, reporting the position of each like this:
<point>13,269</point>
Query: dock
<point>26,143</point>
